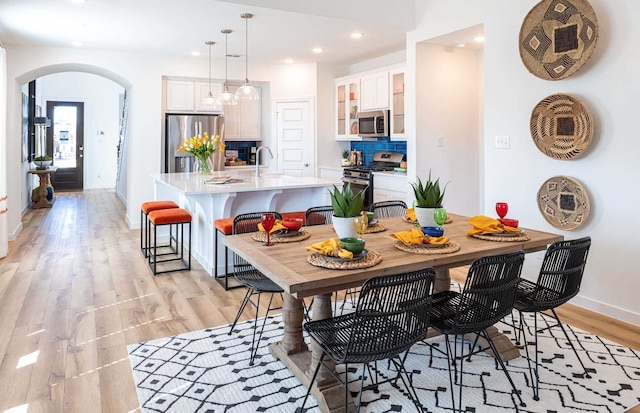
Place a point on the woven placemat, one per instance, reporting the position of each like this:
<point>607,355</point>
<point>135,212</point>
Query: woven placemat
<point>372,258</point>
<point>377,227</point>
<point>489,237</point>
<point>564,202</point>
<point>561,126</point>
<point>557,37</point>
<point>261,236</point>
<point>447,248</point>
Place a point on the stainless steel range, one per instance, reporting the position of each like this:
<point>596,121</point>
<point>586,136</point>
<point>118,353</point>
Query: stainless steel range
<point>361,177</point>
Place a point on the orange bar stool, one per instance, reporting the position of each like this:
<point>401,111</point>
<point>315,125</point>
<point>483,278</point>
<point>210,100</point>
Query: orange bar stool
<point>145,208</point>
<point>177,217</point>
<point>223,226</point>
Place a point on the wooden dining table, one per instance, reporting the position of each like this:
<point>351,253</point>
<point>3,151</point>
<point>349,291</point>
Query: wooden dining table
<point>286,264</point>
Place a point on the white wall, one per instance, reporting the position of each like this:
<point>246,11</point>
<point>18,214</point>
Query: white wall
<point>100,97</point>
<point>608,85</point>
<point>447,92</point>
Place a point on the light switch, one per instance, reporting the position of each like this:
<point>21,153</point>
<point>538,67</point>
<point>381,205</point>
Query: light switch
<point>440,140</point>
<point>502,142</point>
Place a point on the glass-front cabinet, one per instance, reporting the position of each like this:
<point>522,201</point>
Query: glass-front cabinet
<point>347,98</point>
<point>397,104</point>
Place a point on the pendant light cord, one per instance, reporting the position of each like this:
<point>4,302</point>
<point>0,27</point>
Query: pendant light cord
<point>246,48</point>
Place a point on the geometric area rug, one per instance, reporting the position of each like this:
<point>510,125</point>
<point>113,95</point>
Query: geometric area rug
<point>208,371</point>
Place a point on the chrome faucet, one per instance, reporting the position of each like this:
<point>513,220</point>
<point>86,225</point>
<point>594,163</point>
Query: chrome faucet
<point>258,158</point>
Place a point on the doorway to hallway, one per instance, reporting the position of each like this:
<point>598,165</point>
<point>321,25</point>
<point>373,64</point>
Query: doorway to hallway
<point>65,141</point>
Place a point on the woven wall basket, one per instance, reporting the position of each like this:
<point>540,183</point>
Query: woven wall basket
<point>557,37</point>
<point>561,127</point>
<point>563,202</point>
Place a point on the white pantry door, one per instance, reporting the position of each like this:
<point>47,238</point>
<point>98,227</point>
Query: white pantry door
<point>296,137</point>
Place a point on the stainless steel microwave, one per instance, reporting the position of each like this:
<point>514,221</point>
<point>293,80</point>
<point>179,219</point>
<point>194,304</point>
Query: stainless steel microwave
<point>373,124</point>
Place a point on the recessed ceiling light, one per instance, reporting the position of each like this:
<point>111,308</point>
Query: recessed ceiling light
<point>289,61</point>
<point>478,39</point>
<point>461,45</point>
<point>77,43</point>
<point>318,50</point>
<point>357,35</point>
<point>195,53</point>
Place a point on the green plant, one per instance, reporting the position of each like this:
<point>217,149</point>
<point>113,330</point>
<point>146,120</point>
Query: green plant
<point>345,204</point>
<point>429,195</point>
<point>345,154</point>
<point>43,158</point>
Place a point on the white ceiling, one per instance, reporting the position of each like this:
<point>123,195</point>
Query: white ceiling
<point>287,29</point>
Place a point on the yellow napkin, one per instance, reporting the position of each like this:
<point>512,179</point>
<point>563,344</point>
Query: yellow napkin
<point>436,240</point>
<point>486,225</point>
<point>278,228</point>
<point>331,248</point>
<point>414,236</point>
<point>411,214</point>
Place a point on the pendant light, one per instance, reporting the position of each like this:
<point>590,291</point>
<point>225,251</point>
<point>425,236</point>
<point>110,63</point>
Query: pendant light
<point>247,91</point>
<point>209,100</point>
<point>226,98</point>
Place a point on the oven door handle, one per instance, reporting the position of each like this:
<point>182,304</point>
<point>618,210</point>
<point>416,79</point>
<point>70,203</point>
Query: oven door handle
<point>362,182</point>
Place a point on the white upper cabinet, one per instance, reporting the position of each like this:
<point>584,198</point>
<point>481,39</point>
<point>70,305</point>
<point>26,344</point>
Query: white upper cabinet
<point>202,91</point>
<point>347,98</point>
<point>374,91</point>
<point>187,95</point>
<point>397,101</point>
<point>243,122</point>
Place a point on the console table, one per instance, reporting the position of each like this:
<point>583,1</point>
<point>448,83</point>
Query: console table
<point>39,194</point>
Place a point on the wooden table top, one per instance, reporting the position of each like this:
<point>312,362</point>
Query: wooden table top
<point>286,263</point>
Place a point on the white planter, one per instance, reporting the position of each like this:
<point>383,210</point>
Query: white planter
<point>344,227</point>
<point>425,217</point>
<point>346,162</point>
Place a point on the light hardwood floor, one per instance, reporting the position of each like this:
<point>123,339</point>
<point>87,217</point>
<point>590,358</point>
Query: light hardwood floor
<point>75,290</point>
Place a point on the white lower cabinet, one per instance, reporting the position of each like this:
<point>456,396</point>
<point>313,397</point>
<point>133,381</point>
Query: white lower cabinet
<point>387,187</point>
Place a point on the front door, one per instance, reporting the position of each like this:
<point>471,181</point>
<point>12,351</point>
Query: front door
<point>65,143</point>
<point>296,143</point>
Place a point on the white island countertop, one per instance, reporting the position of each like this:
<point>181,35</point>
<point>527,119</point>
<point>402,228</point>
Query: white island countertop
<point>192,183</point>
<point>207,203</point>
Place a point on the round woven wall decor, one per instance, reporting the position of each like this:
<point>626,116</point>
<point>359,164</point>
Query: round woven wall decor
<point>563,202</point>
<point>561,127</point>
<point>557,37</point>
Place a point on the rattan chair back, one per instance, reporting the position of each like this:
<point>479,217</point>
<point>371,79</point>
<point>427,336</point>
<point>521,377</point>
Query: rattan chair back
<point>560,275</point>
<point>489,292</point>
<point>392,314</point>
<point>319,215</point>
<point>388,209</point>
<point>243,224</point>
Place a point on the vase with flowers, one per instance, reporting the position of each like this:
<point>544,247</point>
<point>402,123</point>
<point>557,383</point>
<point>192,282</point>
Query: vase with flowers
<point>202,147</point>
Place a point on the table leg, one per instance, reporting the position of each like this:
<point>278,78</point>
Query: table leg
<point>442,281</point>
<point>294,353</point>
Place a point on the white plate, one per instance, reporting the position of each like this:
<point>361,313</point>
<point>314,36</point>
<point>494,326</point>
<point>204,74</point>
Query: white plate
<point>373,221</point>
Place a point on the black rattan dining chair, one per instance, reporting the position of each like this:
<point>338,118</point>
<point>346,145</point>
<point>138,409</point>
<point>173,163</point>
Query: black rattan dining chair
<point>487,296</point>
<point>392,315</point>
<point>388,209</point>
<point>558,282</point>
<point>253,279</point>
<point>319,215</point>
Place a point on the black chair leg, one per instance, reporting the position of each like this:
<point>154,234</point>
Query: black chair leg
<point>570,343</point>
<point>533,374</point>
<point>486,336</point>
<point>247,296</point>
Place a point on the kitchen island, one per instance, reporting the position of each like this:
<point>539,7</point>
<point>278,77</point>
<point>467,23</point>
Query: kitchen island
<point>243,193</point>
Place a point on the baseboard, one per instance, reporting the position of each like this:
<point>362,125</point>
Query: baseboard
<point>607,309</point>
<point>14,234</point>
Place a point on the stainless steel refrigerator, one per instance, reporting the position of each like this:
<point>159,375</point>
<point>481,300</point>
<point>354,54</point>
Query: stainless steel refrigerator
<point>179,128</point>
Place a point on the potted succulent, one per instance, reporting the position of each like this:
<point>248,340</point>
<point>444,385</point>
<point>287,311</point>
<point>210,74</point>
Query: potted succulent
<point>42,162</point>
<point>345,158</point>
<point>428,197</point>
<point>346,206</point>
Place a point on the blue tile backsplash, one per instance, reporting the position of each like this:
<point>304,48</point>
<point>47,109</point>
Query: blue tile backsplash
<point>368,148</point>
<point>243,148</point>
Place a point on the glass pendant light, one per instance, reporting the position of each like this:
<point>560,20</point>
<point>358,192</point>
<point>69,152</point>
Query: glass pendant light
<point>247,91</point>
<point>226,98</point>
<point>209,100</point>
